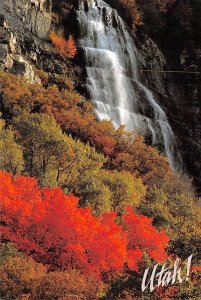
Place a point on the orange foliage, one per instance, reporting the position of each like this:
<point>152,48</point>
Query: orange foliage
<point>66,48</point>
<point>124,151</point>
<point>141,160</point>
<point>134,11</point>
<point>67,285</point>
<point>23,278</point>
<point>47,224</point>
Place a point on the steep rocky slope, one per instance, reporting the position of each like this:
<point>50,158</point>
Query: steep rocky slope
<point>24,38</point>
<point>179,93</point>
<point>25,47</point>
<point>178,35</point>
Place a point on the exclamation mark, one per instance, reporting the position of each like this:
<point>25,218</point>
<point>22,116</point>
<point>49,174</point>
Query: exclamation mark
<point>188,267</point>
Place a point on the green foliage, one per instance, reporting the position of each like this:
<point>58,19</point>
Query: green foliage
<point>73,165</point>
<point>8,250</point>
<point>57,159</point>
<point>155,206</point>
<point>63,145</point>
<point>11,158</point>
<point>52,156</point>
<point>104,191</point>
<point>179,213</point>
<point>94,193</point>
<point>125,189</point>
<point>180,216</point>
<point>60,142</point>
<point>178,183</point>
<point>124,151</point>
<point>41,138</point>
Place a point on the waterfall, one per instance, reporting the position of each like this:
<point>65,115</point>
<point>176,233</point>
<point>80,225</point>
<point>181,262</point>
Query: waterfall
<point>113,79</point>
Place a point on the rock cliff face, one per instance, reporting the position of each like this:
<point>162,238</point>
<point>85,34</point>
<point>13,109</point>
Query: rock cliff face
<point>24,37</point>
<point>25,47</point>
<point>180,95</point>
<point>186,112</point>
<point>22,23</point>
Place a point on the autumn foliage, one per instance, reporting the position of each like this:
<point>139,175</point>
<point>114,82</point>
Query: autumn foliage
<point>66,48</point>
<point>49,131</point>
<point>124,151</point>
<point>49,226</point>
<point>23,278</point>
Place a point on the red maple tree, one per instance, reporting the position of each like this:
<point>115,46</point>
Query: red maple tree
<point>49,226</point>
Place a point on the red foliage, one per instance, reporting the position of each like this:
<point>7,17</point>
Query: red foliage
<point>196,268</point>
<point>48,225</point>
<point>105,143</point>
<point>142,233</point>
<point>169,293</point>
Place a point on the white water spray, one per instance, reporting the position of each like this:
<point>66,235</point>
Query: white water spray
<point>112,76</point>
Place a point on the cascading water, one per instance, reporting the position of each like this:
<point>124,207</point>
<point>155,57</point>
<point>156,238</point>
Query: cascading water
<point>113,79</point>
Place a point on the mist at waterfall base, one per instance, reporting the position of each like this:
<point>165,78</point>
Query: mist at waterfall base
<point>113,80</point>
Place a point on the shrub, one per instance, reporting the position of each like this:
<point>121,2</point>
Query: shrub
<point>67,48</point>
